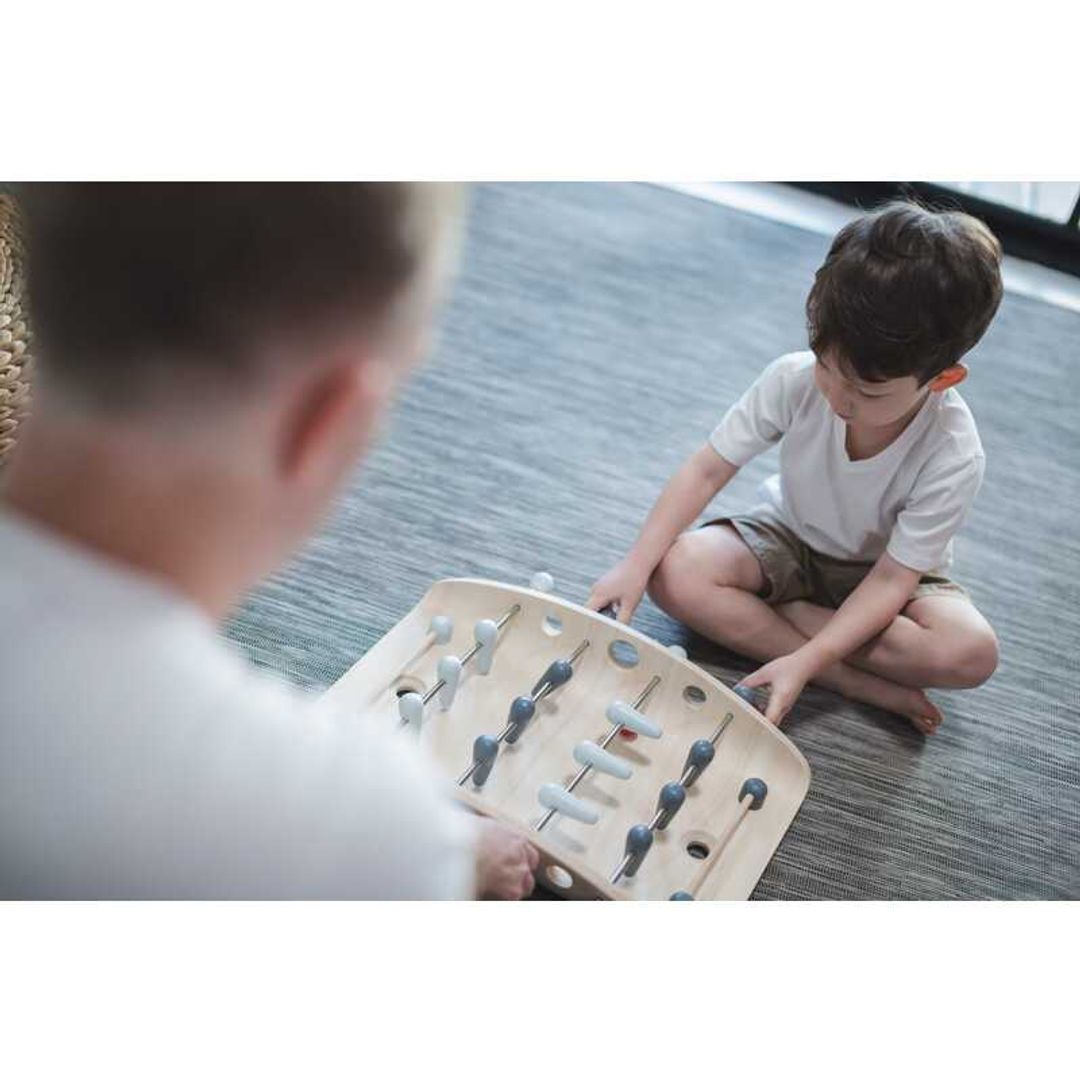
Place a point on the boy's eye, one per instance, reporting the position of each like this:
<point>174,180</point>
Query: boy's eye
<point>858,389</point>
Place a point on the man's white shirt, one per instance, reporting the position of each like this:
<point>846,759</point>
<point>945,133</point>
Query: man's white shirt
<point>140,757</point>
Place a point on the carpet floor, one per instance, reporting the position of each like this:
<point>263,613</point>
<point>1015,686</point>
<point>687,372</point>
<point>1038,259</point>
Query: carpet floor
<point>595,335</point>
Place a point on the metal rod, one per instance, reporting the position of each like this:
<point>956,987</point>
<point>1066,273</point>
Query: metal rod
<point>620,869</point>
<point>544,691</point>
<point>500,623</point>
<point>714,738</point>
<point>571,660</point>
<point>614,730</point>
<point>654,682</point>
<point>500,739</point>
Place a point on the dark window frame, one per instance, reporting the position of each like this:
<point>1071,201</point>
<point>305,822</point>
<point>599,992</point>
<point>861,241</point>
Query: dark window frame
<point>1023,235</point>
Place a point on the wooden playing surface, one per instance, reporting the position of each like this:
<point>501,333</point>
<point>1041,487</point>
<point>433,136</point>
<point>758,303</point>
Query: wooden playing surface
<point>578,859</point>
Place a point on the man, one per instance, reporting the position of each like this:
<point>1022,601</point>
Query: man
<point>211,362</point>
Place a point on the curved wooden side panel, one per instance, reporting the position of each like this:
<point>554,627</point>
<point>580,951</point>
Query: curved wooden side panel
<point>688,704</point>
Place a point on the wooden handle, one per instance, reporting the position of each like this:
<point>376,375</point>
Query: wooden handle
<point>714,858</point>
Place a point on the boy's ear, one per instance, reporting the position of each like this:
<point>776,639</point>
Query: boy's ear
<point>951,376</point>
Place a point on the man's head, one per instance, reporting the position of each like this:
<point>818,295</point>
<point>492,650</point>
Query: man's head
<point>247,335</point>
<point>903,294</point>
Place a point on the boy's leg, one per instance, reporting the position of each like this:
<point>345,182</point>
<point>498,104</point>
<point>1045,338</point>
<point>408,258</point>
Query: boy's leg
<point>937,641</point>
<point>710,580</point>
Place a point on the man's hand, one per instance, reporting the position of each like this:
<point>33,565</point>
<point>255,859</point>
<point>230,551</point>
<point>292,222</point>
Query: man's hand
<point>786,676</point>
<point>505,862</point>
<point>623,585</point>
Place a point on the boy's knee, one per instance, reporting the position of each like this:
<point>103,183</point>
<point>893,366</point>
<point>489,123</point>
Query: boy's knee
<point>970,661</point>
<point>980,659</point>
<point>698,561</point>
<point>676,579</point>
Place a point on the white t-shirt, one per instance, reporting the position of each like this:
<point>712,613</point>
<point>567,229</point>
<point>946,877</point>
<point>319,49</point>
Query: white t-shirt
<point>141,758</point>
<point>908,500</point>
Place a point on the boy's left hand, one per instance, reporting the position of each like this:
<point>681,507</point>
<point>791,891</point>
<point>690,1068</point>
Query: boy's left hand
<point>786,676</point>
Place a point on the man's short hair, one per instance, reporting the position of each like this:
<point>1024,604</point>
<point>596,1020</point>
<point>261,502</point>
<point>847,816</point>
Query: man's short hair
<point>905,290</point>
<point>139,289</point>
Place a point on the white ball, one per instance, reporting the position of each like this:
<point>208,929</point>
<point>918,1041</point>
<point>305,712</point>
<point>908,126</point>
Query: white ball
<point>542,582</point>
<point>678,651</point>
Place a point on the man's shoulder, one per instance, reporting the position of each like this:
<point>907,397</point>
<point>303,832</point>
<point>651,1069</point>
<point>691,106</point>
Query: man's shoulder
<point>84,643</point>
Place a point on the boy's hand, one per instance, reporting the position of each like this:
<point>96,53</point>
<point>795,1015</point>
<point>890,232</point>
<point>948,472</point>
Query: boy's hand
<point>624,586</point>
<point>786,676</point>
<point>505,863</point>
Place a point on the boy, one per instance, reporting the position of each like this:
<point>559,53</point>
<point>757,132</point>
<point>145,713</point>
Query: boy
<point>840,577</point>
<point>212,361</point>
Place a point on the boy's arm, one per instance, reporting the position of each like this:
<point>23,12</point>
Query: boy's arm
<point>879,598</point>
<point>685,495</point>
<point>754,423</point>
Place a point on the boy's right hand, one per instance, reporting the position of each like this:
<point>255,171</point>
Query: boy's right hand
<point>505,862</point>
<point>623,586</point>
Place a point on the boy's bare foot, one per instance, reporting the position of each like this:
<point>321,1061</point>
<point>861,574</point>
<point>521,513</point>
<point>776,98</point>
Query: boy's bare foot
<point>905,701</point>
<point>930,717</point>
<point>914,705</point>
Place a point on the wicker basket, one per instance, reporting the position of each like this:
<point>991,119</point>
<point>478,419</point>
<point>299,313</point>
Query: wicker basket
<point>14,328</point>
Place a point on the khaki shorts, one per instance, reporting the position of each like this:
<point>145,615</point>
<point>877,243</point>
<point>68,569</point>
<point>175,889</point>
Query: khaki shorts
<point>794,571</point>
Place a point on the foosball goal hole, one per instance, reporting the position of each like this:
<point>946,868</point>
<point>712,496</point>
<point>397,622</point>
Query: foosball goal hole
<point>408,686</point>
<point>560,878</point>
<point>697,850</point>
<point>694,696</point>
<point>552,625</point>
<point>623,654</point>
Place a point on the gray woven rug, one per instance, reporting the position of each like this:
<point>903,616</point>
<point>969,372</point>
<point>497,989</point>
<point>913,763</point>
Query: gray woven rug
<point>595,336</point>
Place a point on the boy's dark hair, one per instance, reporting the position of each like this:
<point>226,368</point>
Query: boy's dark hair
<point>140,289</point>
<point>905,291</point>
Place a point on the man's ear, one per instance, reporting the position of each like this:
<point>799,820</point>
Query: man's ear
<point>334,416</point>
<point>951,376</point>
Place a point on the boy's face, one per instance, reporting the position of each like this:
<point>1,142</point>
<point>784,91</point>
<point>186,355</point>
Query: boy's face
<point>866,404</point>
